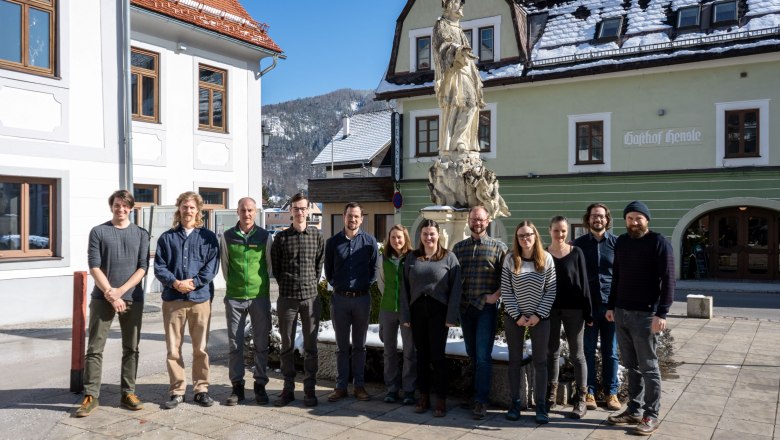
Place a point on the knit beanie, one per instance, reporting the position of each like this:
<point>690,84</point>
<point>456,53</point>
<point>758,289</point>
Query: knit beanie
<point>637,206</point>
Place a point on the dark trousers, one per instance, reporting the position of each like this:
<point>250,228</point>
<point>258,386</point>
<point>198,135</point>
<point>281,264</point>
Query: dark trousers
<point>515,339</point>
<point>259,311</point>
<point>404,378</point>
<point>479,334</point>
<point>350,322</point>
<point>573,325</point>
<point>430,331</point>
<point>605,330</point>
<point>310,311</point>
<point>101,315</point>
<point>637,344</point>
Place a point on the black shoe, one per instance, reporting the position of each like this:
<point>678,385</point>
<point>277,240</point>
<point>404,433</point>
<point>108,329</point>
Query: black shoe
<point>174,402</point>
<point>237,395</point>
<point>203,399</point>
<point>261,396</point>
<point>285,398</point>
<point>309,398</point>
<point>409,398</point>
<point>391,397</point>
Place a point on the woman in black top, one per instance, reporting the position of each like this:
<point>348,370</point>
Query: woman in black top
<point>571,308</point>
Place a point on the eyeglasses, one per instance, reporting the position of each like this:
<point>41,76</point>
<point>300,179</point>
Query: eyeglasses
<point>525,236</point>
<point>299,209</point>
<point>478,220</point>
<point>597,216</point>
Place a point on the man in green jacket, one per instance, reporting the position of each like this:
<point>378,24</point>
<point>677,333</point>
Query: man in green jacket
<point>245,250</point>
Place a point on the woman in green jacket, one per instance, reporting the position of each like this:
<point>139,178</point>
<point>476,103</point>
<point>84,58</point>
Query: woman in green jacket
<point>389,271</point>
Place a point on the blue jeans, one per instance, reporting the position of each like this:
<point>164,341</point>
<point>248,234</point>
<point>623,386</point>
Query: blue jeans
<point>637,350</point>
<point>609,354</point>
<point>479,333</point>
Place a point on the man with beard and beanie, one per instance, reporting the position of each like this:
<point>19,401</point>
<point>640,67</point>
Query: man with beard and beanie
<point>350,267</point>
<point>480,258</point>
<point>598,246</point>
<point>186,262</point>
<point>245,250</point>
<point>642,292</point>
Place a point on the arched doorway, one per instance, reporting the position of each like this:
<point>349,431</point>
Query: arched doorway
<point>740,242</point>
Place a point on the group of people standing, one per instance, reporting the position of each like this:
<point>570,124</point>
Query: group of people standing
<point>616,290</point>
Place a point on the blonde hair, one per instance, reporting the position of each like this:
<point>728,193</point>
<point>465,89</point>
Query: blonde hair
<point>389,251</point>
<point>538,250</point>
<point>183,197</point>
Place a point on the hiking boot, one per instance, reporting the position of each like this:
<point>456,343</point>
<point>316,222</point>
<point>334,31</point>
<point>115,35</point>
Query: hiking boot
<point>440,410</point>
<point>261,396</point>
<point>513,413</point>
<point>646,427</point>
<point>580,407</point>
<point>337,394</point>
<point>590,401</point>
<point>542,417</point>
<point>613,404</point>
<point>88,405</point>
<point>391,397</point>
<point>624,418</point>
<point>409,398</point>
<point>285,398</point>
<point>479,412</point>
<point>552,394</point>
<point>361,394</point>
<point>309,398</point>
<point>132,402</point>
<point>174,401</point>
<point>203,399</point>
<point>237,395</point>
<point>423,403</point>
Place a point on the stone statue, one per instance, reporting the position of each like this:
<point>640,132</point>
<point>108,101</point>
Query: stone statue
<point>456,81</point>
<point>458,178</point>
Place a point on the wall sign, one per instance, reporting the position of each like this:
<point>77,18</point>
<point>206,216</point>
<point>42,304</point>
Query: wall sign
<point>396,137</point>
<point>662,137</point>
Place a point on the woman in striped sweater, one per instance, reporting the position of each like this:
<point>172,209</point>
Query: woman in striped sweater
<point>388,279</point>
<point>528,292</point>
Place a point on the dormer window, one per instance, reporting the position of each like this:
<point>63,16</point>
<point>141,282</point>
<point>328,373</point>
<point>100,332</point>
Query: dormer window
<point>424,53</point>
<point>610,28</point>
<point>486,44</point>
<point>724,12</point>
<point>688,17</point>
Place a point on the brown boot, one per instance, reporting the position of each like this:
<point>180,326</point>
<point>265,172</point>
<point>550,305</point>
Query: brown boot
<point>440,410</point>
<point>423,403</point>
<point>581,407</point>
<point>552,395</point>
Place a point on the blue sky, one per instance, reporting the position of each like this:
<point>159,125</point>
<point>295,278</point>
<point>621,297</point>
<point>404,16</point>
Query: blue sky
<point>329,45</point>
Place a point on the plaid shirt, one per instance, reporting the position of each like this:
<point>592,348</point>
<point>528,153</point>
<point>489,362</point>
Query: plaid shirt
<point>296,261</point>
<point>480,266</point>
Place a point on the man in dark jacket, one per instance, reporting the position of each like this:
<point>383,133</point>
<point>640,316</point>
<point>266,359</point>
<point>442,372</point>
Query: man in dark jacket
<point>642,293</point>
<point>186,262</point>
<point>245,250</point>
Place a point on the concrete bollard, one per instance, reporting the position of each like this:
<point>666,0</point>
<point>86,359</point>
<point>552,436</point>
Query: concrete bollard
<point>699,306</point>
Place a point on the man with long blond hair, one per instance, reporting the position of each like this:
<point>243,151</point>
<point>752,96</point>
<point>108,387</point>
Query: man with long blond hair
<point>186,261</point>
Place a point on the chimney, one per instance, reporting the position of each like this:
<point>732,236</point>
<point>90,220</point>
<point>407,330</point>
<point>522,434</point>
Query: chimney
<point>345,125</point>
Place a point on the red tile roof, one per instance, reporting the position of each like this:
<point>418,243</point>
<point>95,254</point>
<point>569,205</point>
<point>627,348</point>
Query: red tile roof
<point>226,17</point>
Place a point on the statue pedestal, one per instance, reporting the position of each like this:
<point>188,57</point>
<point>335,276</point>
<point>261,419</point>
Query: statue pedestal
<point>453,223</point>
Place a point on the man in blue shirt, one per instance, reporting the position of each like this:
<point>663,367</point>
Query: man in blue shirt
<point>598,246</point>
<point>186,261</point>
<point>350,267</point>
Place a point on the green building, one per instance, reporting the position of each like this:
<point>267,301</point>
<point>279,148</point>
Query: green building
<point>668,102</point>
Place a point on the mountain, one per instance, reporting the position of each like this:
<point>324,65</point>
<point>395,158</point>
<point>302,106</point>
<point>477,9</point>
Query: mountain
<point>300,129</point>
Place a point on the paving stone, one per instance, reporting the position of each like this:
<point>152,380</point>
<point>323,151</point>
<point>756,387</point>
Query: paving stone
<point>692,418</point>
<point>746,427</point>
<point>700,403</point>
<point>423,432</point>
<point>186,419</point>
<point>684,430</point>
<point>392,428</point>
<point>747,409</point>
<point>721,434</point>
<point>167,432</point>
<point>241,430</point>
<point>128,428</point>
<point>317,429</point>
<point>710,387</point>
<point>277,421</point>
<point>346,417</point>
<point>358,434</point>
<point>766,395</point>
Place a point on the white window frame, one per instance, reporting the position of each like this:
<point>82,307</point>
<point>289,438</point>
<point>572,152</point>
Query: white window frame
<point>413,115</point>
<point>606,119</point>
<point>472,25</point>
<point>763,133</point>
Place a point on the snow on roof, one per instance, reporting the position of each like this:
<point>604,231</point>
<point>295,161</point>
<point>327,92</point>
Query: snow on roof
<point>369,134</point>
<point>568,43</point>
<point>226,17</point>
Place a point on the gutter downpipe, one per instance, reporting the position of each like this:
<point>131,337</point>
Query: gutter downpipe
<point>263,72</point>
<point>124,104</point>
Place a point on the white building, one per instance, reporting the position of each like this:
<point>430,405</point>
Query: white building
<point>193,105</point>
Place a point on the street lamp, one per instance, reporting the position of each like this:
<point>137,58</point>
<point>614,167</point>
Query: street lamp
<point>266,131</point>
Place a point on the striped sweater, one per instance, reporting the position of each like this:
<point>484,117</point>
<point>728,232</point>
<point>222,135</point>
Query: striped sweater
<point>528,292</point>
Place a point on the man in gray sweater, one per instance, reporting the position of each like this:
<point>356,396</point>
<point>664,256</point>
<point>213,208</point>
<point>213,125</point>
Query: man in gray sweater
<point>118,257</point>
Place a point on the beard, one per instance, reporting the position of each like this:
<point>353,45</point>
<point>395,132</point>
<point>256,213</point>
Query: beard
<point>637,231</point>
<point>477,229</point>
<point>598,227</point>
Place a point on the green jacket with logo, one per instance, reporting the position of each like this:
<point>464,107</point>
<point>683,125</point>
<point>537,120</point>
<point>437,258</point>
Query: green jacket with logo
<point>245,260</point>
